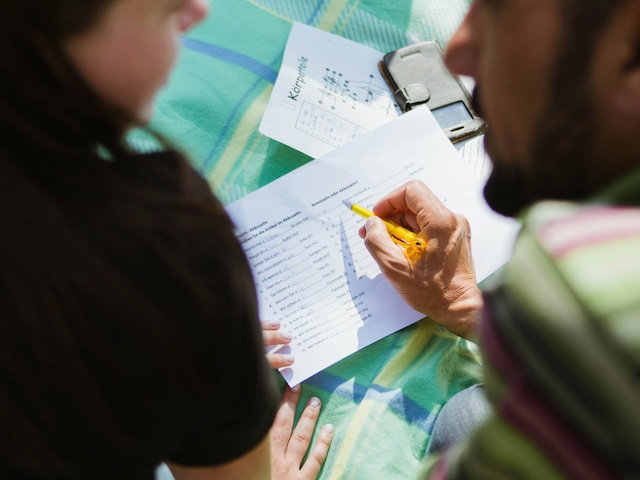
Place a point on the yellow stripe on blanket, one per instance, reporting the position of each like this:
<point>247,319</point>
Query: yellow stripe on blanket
<point>332,14</point>
<point>269,10</point>
<point>407,357</point>
<point>364,420</point>
<point>368,414</point>
<point>237,143</point>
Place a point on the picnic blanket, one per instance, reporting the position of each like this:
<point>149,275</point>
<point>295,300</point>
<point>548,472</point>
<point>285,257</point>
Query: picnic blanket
<point>383,400</point>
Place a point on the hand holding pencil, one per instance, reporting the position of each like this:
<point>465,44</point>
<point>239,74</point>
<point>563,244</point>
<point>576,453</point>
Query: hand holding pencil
<point>403,237</point>
<point>440,280</point>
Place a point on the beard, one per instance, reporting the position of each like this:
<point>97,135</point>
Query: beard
<point>556,166</point>
<point>504,191</point>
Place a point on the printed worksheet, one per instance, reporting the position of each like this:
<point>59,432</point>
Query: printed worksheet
<point>312,270</point>
<point>328,92</point>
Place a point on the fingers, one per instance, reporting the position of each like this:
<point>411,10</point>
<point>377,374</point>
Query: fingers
<point>320,449</point>
<point>283,423</point>
<point>279,360</point>
<point>380,245</point>
<point>301,437</point>
<point>272,336</point>
<point>406,197</point>
<point>413,205</point>
<point>290,445</point>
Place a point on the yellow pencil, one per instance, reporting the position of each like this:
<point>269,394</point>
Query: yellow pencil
<point>406,237</point>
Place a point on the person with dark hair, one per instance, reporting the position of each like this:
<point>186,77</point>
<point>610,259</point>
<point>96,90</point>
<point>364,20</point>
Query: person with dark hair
<point>558,82</point>
<point>129,332</point>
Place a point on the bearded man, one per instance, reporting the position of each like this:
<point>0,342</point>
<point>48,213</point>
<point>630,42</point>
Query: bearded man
<point>558,82</point>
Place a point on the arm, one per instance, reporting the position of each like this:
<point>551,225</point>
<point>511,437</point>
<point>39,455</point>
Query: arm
<point>441,283</point>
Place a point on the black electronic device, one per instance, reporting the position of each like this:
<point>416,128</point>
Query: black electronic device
<point>417,75</point>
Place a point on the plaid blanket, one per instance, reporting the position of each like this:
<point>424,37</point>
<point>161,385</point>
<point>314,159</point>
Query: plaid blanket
<point>384,399</point>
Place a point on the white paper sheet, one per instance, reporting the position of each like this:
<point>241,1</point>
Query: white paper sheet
<point>328,92</point>
<point>311,268</point>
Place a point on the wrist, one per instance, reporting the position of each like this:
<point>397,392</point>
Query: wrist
<point>463,315</point>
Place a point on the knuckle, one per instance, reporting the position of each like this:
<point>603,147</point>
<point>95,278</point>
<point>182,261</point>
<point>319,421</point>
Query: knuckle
<point>280,424</point>
<point>369,243</point>
<point>450,219</point>
<point>324,441</point>
<point>374,239</point>
<point>446,222</point>
<point>311,413</point>
<point>464,222</point>
<point>415,184</point>
<point>301,438</point>
<point>317,456</point>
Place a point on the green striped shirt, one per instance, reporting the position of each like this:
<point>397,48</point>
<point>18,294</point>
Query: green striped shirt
<point>561,349</point>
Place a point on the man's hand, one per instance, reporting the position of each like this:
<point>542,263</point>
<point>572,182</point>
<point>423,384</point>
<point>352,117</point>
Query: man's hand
<point>290,445</point>
<point>272,336</point>
<point>441,282</point>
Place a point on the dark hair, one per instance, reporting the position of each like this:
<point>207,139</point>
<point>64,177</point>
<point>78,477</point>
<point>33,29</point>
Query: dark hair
<point>101,251</point>
<point>46,105</point>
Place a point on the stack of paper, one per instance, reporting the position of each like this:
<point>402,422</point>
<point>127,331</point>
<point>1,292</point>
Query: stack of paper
<point>311,268</point>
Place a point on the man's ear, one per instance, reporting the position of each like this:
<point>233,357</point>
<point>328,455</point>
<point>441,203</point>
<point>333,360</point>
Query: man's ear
<point>617,61</point>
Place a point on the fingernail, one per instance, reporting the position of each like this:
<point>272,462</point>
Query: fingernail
<point>275,323</point>
<point>328,429</point>
<point>286,336</point>
<point>314,402</point>
<point>296,389</point>
<point>288,358</point>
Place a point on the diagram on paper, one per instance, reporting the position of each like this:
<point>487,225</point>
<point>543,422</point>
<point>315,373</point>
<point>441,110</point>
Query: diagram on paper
<point>338,91</point>
<point>326,126</point>
<point>328,93</point>
<point>326,121</point>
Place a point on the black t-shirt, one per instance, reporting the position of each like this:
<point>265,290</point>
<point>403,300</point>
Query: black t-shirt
<point>163,336</point>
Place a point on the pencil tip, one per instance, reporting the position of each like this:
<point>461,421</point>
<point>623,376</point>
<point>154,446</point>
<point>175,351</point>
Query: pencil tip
<point>347,203</point>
